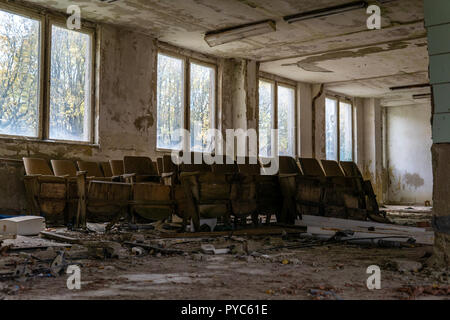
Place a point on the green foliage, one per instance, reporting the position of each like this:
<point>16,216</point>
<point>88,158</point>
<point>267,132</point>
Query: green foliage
<point>69,85</point>
<point>265,118</point>
<point>171,103</point>
<point>170,115</point>
<point>20,55</point>
<point>19,75</point>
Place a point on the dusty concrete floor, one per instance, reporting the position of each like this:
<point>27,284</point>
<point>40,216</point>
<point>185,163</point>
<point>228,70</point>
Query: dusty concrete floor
<point>334,271</point>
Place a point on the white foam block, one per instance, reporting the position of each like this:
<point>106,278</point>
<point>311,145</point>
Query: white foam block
<point>22,226</point>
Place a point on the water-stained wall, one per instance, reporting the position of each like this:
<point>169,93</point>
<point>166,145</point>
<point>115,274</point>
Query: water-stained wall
<point>408,152</point>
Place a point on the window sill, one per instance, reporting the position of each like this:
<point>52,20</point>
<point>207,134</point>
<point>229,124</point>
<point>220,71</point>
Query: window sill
<point>12,139</point>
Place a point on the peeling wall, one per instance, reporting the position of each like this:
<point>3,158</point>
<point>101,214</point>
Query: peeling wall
<point>408,152</point>
<point>319,114</point>
<point>359,131</point>
<point>372,165</point>
<point>304,119</point>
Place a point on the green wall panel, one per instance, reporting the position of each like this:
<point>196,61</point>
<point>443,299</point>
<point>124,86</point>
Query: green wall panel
<point>441,128</point>
<point>436,12</point>
<point>441,93</point>
<point>440,68</point>
<point>436,36</point>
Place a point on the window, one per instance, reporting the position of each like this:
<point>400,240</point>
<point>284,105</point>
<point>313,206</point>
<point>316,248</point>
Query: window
<point>266,113</point>
<point>286,120</point>
<point>172,102</point>
<point>23,80</point>
<point>276,99</point>
<point>339,130</point>
<point>345,132</point>
<point>19,75</point>
<point>70,83</point>
<point>202,106</point>
<point>331,129</point>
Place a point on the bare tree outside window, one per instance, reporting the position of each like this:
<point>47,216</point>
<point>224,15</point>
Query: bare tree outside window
<point>286,120</point>
<point>70,85</point>
<point>266,114</point>
<point>202,100</point>
<point>170,101</point>
<point>331,114</point>
<point>345,132</point>
<point>19,75</point>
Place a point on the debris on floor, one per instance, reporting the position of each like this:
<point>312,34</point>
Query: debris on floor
<point>161,256</point>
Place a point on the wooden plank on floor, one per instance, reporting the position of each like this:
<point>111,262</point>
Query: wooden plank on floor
<point>365,228</point>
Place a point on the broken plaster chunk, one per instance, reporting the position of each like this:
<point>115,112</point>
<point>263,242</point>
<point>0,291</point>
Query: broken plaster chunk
<point>137,251</point>
<point>210,249</point>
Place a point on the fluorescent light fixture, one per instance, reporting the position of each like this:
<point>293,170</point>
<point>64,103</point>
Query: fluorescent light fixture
<point>325,11</point>
<point>215,38</point>
<point>411,86</point>
<point>422,96</point>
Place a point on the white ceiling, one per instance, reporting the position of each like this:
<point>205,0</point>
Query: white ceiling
<point>360,62</point>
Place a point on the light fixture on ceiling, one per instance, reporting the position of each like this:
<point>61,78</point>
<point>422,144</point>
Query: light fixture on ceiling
<point>421,96</point>
<point>325,11</point>
<point>218,37</point>
<point>411,86</point>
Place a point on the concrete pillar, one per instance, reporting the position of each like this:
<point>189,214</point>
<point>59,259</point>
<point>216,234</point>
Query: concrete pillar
<point>318,120</point>
<point>359,131</point>
<point>437,22</point>
<point>238,97</point>
<point>372,167</point>
<point>304,120</point>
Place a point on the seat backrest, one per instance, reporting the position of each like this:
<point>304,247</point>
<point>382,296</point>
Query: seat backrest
<point>249,166</point>
<point>351,169</point>
<point>332,168</point>
<point>37,166</point>
<point>92,168</point>
<point>139,165</point>
<point>106,168</point>
<point>168,165</point>
<point>311,167</point>
<point>116,167</point>
<point>159,165</point>
<point>288,165</point>
<point>193,166</point>
<point>64,168</point>
<point>227,165</point>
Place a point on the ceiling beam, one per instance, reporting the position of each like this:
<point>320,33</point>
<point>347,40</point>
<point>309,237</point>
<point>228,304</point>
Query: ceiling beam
<point>421,36</point>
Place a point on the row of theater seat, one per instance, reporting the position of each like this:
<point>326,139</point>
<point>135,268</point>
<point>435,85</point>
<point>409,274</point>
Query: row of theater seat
<point>153,190</point>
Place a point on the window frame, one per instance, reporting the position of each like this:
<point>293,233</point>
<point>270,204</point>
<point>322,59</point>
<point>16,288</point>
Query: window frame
<point>349,101</point>
<point>47,20</point>
<point>283,83</point>
<point>187,61</point>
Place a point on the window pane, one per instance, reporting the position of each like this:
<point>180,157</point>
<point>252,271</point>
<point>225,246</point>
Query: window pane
<point>345,131</point>
<point>19,75</point>
<point>202,107</point>
<point>70,85</point>
<point>331,129</point>
<point>266,112</point>
<point>170,102</point>
<point>286,120</point>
